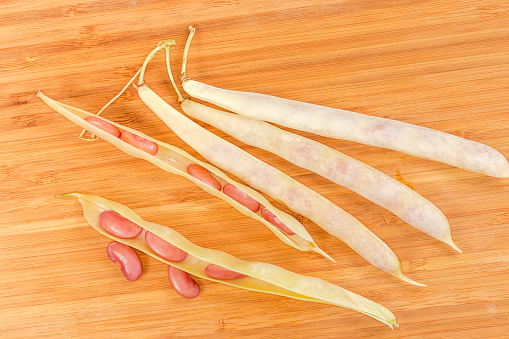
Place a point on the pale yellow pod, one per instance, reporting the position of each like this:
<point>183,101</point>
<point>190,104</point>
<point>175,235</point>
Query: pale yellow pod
<point>276,184</point>
<point>174,160</point>
<point>339,168</point>
<point>336,123</point>
<point>261,277</point>
<point>269,180</point>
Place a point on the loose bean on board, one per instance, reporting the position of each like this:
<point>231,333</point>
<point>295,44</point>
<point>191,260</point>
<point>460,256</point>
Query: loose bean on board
<point>125,257</point>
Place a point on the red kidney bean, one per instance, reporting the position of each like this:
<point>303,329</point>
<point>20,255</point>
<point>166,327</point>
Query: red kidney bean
<point>183,283</point>
<point>105,126</point>
<point>125,257</point>
<point>118,226</point>
<point>270,217</point>
<point>164,249</point>
<point>200,173</point>
<point>141,143</point>
<point>241,197</point>
<point>218,272</point>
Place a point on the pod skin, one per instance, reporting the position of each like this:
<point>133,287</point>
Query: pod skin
<point>410,139</point>
<point>339,168</point>
<point>282,188</point>
<point>261,277</point>
<point>175,160</point>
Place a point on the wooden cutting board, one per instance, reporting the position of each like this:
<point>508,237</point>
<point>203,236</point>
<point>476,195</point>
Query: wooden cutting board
<point>437,64</point>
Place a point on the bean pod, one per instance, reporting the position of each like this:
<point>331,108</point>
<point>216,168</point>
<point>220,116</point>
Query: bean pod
<point>259,276</point>
<point>177,161</point>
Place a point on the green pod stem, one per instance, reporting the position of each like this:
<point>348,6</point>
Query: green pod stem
<point>174,160</point>
<point>261,277</point>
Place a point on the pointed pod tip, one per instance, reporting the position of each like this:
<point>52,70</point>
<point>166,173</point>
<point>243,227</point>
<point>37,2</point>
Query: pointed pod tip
<point>320,251</point>
<point>403,277</point>
<point>66,195</point>
<point>453,245</point>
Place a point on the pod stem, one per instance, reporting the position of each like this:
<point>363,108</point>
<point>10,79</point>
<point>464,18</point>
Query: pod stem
<point>168,67</point>
<point>93,137</point>
<point>186,51</point>
<point>165,44</point>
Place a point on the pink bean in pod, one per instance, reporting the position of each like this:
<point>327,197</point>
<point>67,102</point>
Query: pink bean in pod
<point>118,226</point>
<point>241,197</point>
<point>201,173</point>
<point>164,249</point>
<point>139,142</point>
<point>221,273</point>
<point>105,126</point>
<point>125,257</point>
<point>270,217</point>
<point>182,283</point>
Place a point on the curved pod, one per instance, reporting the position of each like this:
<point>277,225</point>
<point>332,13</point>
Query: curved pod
<point>174,160</point>
<point>261,277</point>
<point>282,188</point>
<point>339,168</point>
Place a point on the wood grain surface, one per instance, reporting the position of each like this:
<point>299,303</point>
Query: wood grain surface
<point>437,64</point>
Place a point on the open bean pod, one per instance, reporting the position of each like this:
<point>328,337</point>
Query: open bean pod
<point>260,277</point>
<point>177,161</point>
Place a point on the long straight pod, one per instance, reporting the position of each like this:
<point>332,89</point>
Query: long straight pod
<point>174,160</point>
<point>341,124</point>
<point>414,140</point>
<point>276,184</point>
<point>333,165</point>
<point>260,277</point>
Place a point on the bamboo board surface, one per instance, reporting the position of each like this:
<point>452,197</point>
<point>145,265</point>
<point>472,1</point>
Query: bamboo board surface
<point>437,64</point>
